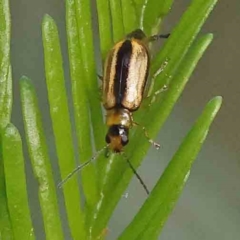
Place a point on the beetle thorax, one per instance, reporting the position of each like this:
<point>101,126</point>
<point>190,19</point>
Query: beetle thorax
<point>119,116</point>
<point>119,120</point>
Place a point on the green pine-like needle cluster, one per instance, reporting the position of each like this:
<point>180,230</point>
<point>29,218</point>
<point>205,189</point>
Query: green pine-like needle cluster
<point>103,182</point>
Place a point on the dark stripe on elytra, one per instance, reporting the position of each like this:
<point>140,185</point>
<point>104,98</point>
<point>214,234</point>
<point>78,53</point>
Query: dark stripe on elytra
<point>122,67</point>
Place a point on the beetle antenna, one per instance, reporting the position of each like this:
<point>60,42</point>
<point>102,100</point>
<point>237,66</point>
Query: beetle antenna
<point>137,175</point>
<point>79,167</point>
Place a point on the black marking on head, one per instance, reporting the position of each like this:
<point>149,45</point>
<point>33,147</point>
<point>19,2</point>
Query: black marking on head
<point>119,130</point>
<point>117,137</point>
<point>122,67</point>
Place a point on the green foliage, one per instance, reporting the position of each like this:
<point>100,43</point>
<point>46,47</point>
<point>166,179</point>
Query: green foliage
<point>16,184</point>
<point>104,182</point>
<point>38,152</point>
<point>150,219</point>
<point>60,117</point>
<point>5,111</point>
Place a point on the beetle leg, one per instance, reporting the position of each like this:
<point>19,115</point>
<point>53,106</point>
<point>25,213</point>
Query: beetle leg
<point>149,87</point>
<point>103,234</point>
<point>100,93</point>
<point>100,77</point>
<point>156,37</point>
<point>161,90</point>
<point>100,88</point>
<point>154,144</point>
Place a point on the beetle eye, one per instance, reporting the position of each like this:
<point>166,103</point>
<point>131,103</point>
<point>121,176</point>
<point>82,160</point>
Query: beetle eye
<point>107,139</point>
<point>124,140</point>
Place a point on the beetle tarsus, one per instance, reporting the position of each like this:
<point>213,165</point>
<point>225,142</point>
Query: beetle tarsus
<point>155,144</point>
<point>164,88</point>
<point>161,90</point>
<point>100,77</point>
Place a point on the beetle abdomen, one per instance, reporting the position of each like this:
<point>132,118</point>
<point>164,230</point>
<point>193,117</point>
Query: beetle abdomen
<point>125,75</point>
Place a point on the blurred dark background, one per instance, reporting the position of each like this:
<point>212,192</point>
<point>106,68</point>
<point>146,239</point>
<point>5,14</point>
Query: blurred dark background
<point>209,207</point>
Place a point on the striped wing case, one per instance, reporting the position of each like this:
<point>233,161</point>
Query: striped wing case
<point>125,75</point>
